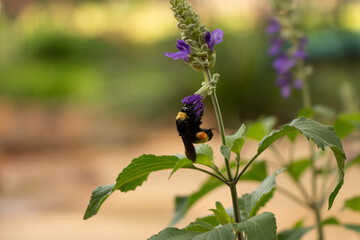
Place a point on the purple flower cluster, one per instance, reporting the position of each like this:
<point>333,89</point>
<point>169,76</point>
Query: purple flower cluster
<point>285,61</point>
<point>211,39</point>
<point>196,101</point>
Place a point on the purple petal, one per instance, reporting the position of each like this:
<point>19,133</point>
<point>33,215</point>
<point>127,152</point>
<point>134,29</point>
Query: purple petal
<point>214,38</point>
<point>302,42</point>
<point>192,99</point>
<point>283,80</point>
<point>283,64</point>
<point>177,55</point>
<point>183,46</point>
<point>300,54</point>
<point>196,100</point>
<point>275,47</point>
<point>208,37</point>
<point>286,91</point>
<point>274,27</point>
<point>298,83</point>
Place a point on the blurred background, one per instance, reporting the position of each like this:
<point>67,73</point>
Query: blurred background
<point>85,87</point>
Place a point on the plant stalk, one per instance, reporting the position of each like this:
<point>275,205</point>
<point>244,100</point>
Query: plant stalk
<point>306,95</point>
<point>216,106</point>
<point>232,184</point>
<point>318,222</point>
<point>315,201</point>
<point>236,208</point>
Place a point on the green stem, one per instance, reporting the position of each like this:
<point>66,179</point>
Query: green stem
<point>246,167</point>
<point>234,198</point>
<point>214,175</point>
<point>216,106</point>
<point>232,184</point>
<point>315,203</point>
<point>293,197</point>
<point>237,164</point>
<point>318,221</point>
<point>306,95</point>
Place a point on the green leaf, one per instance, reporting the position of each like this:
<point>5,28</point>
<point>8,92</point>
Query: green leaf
<point>221,214</point>
<point>256,131</point>
<point>236,141</point>
<point>237,145</point>
<point>183,162</point>
<point>129,179</point>
<point>225,151</point>
<point>199,226</point>
<point>343,128</point>
<point>330,221</point>
<point>98,196</point>
<point>346,123</point>
<point>353,162</point>
<point>296,168</point>
<point>294,234</point>
<point>353,118</point>
<point>321,135</point>
<point>299,223</point>
<point>210,219</point>
<point>353,227</point>
<point>249,204</point>
<point>205,155</point>
<point>257,172</point>
<point>239,134</point>
<point>220,233</point>
<point>174,234</point>
<point>260,227</point>
<point>183,204</point>
<point>324,111</point>
<point>353,203</point>
<point>306,112</point>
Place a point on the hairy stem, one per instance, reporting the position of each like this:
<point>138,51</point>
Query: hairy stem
<point>246,167</point>
<point>231,183</point>
<point>219,119</point>
<point>234,198</point>
<point>211,174</point>
<point>315,200</point>
<point>306,95</point>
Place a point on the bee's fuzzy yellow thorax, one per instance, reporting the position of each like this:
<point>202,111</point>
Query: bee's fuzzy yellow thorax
<point>182,116</point>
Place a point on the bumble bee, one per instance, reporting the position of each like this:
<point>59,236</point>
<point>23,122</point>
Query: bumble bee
<point>188,125</point>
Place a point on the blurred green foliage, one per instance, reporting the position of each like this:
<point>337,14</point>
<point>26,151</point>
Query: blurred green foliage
<point>120,75</point>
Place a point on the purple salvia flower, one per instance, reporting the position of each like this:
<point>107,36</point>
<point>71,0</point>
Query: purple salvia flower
<point>298,83</point>
<point>195,100</point>
<point>274,27</point>
<point>286,91</point>
<point>275,47</point>
<point>283,64</point>
<point>214,38</point>
<point>284,82</point>
<point>184,51</point>
<point>300,52</point>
